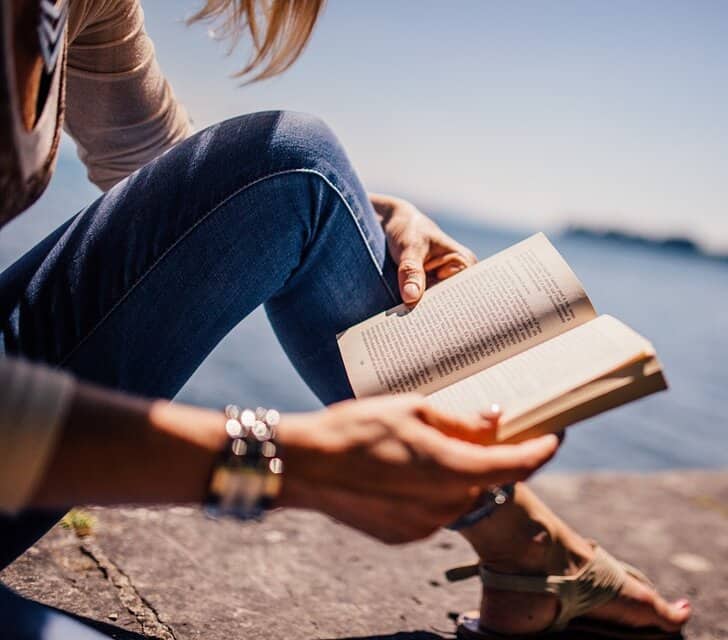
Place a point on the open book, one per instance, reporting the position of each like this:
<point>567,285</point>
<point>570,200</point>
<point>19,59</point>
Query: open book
<point>516,329</point>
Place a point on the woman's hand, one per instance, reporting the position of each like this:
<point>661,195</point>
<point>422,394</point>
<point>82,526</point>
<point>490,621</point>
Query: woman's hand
<point>394,467</point>
<point>424,253</point>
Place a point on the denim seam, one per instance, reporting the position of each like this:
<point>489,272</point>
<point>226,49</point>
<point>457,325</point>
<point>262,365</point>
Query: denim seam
<point>202,219</point>
<point>359,227</point>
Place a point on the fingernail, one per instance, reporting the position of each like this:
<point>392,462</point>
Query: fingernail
<point>551,440</point>
<point>411,291</point>
<point>682,604</point>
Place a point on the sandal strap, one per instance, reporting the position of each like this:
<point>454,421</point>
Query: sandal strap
<point>597,582</point>
<point>463,572</point>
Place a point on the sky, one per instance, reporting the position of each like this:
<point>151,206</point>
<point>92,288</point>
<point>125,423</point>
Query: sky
<point>524,113</point>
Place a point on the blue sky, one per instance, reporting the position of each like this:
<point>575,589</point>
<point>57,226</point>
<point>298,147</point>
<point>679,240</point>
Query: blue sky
<point>530,113</point>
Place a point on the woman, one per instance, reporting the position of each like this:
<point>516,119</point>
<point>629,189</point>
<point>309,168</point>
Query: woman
<point>192,233</point>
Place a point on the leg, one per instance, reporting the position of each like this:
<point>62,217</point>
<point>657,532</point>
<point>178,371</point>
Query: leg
<point>136,290</point>
<point>526,537</point>
<point>139,287</point>
<point>23,619</point>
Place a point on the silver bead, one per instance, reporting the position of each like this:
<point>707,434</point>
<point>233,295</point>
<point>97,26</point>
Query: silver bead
<point>260,430</point>
<point>268,449</point>
<point>272,417</point>
<point>234,428</point>
<point>247,418</point>
<point>232,411</point>
<point>239,447</point>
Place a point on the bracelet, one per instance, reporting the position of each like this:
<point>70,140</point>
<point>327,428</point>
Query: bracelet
<point>248,472</point>
<point>488,502</point>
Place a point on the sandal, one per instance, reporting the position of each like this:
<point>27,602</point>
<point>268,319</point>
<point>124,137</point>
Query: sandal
<point>597,582</point>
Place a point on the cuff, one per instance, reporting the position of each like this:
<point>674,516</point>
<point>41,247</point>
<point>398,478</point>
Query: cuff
<point>34,400</point>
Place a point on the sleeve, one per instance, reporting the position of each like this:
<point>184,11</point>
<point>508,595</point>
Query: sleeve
<point>33,403</point>
<point>120,110</point>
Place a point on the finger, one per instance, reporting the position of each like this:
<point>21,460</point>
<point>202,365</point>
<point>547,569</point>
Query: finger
<point>493,415</point>
<point>443,244</point>
<point>411,272</point>
<point>453,257</point>
<point>470,257</point>
<point>497,463</point>
<point>480,429</point>
<point>449,270</point>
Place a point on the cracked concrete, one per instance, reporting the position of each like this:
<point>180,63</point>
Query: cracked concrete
<point>174,574</point>
<point>127,593</point>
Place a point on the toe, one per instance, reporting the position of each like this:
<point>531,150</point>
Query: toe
<point>640,606</point>
<point>671,616</point>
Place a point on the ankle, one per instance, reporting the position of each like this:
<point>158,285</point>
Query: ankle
<point>510,541</point>
<point>535,548</point>
<point>524,536</point>
<point>568,552</point>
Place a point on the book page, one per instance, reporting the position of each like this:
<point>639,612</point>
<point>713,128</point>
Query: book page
<point>630,382</point>
<point>502,306</point>
<point>548,371</point>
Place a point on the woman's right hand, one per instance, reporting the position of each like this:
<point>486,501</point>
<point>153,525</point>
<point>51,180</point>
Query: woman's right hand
<point>394,467</point>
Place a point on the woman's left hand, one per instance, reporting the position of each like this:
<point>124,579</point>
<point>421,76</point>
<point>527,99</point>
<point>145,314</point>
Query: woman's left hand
<point>424,253</point>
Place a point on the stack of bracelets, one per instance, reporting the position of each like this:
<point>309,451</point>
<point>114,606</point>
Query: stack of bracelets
<point>247,475</point>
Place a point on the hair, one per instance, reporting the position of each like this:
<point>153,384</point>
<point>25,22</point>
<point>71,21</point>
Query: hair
<point>279,30</point>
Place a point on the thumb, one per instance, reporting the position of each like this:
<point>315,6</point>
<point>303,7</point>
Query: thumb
<point>499,463</point>
<point>518,461</point>
<point>411,272</point>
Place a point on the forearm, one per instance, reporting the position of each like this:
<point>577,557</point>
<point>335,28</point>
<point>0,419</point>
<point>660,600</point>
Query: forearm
<point>118,449</point>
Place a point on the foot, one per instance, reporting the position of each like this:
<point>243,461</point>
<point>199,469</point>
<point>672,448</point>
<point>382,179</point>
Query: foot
<point>527,538</point>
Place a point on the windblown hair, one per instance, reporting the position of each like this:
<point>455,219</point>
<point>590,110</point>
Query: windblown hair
<point>279,30</point>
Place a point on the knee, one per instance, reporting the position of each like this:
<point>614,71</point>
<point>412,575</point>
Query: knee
<point>287,140</point>
<point>307,142</point>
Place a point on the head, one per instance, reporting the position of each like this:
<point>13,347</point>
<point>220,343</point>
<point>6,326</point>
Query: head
<point>279,30</point>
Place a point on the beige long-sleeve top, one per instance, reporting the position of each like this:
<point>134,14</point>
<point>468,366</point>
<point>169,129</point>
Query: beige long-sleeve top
<point>122,113</point>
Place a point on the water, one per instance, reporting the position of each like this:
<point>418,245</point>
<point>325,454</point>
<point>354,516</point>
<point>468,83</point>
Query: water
<point>672,294</point>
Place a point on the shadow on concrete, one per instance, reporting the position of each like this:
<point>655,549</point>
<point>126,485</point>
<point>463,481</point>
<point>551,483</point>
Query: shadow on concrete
<point>600,634</point>
<point>110,630</point>
<point>403,635</point>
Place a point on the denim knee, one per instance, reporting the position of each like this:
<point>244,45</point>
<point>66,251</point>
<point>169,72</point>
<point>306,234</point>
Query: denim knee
<point>268,144</point>
<point>301,141</point>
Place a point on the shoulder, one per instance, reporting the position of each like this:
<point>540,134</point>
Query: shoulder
<point>86,17</point>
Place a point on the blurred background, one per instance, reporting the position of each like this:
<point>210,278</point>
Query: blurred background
<point>603,124</point>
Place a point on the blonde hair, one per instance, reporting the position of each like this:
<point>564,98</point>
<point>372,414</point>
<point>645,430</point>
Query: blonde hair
<point>279,30</point>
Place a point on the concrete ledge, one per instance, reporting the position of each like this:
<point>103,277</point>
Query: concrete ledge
<point>173,574</point>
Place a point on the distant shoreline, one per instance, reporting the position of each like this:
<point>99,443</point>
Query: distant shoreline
<point>676,244</point>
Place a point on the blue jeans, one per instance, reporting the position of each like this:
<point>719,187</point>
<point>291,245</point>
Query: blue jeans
<point>135,291</point>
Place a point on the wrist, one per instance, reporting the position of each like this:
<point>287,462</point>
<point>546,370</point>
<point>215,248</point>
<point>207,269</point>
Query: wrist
<point>292,434</point>
<point>200,432</point>
<point>297,434</point>
<point>247,474</point>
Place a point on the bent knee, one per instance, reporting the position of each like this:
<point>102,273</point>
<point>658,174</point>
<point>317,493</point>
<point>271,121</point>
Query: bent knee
<point>288,140</point>
<point>306,140</point>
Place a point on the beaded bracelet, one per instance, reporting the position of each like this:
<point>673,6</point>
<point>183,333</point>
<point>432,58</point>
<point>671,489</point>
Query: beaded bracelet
<point>248,472</point>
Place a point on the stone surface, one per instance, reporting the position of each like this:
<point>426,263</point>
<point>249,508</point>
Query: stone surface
<point>172,573</point>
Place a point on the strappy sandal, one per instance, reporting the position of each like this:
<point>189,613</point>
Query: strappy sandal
<point>597,582</point>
